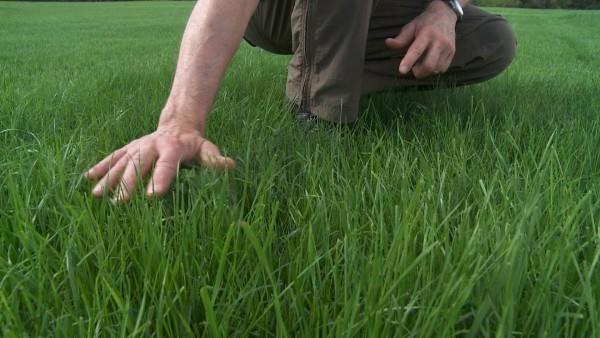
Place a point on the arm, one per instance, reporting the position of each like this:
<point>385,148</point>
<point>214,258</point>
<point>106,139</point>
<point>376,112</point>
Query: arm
<point>208,45</point>
<point>430,39</point>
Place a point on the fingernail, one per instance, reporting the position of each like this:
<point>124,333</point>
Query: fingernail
<point>153,192</point>
<point>97,190</point>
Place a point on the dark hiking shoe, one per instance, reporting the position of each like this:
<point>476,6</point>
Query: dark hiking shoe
<point>305,116</point>
<point>311,122</point>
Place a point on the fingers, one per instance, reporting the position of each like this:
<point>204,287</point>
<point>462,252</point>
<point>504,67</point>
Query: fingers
<point>435,61</point>
<point>100,169</point>
<point>136,169</point>
<point>446,61</point>
<point>432,46</point>
<point>167,166</point>
<point>219,162</point>
<point>211,157</point>
<point>112,177</point>
<point>403,40</point>
<point>414,53</point>
<point>165,151</point>
<point>165,171</point>
<point>428,65</point>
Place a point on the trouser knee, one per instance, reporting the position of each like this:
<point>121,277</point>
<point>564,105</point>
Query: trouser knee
<point>509,50</point>
<point>505,42</point>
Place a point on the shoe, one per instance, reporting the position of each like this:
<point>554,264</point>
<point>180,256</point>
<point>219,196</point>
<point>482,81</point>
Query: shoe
<point>304,115</point>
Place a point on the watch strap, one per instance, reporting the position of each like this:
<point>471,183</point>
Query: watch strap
<point>456,8</point>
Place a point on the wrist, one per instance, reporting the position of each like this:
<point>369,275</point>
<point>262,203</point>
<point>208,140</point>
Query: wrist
<point>175,116</point>
<point>442,6</point>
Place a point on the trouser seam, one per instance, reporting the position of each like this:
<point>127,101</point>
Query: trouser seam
<point>307,62</point>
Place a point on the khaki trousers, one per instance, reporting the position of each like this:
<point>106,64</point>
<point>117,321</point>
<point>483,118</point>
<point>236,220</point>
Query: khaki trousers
<point>339,51</point>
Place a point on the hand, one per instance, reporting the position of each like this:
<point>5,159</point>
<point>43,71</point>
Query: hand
<point>431,37</point>
<point>166,149</point>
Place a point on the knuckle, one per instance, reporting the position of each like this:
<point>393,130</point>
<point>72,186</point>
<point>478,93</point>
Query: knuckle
<point>408,27</point>
<point>134,155</point>
<point>167,164</point>
<point>171,145</point>
<point>448,45</point>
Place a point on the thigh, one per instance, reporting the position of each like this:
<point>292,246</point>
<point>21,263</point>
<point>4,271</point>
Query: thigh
<point>270,26</point>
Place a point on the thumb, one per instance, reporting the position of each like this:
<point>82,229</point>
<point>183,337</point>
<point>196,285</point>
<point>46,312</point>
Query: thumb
<point>210,157</point>
<point>403,40</point>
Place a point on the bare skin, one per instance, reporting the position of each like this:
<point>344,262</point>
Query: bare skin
<point>208,45</point>
<point>430,39</point>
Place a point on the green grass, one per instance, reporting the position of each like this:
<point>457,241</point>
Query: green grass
<point>471,212</point>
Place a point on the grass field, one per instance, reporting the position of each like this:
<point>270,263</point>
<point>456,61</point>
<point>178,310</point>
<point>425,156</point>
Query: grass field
<point>471,212</point>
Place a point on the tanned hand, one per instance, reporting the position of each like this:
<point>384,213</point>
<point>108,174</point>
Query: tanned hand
<point>164,150</point>
<point>430,39</point>
<point>207,45</point>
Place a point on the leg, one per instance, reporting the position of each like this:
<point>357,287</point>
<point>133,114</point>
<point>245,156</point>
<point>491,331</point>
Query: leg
<point>270,27</point>
<point>485,46</point>
<point>328,41</point>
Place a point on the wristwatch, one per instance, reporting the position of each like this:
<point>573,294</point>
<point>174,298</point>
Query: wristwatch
<point>456,8</point>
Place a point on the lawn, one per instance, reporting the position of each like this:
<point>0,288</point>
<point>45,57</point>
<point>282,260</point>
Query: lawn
<point>471,212</point>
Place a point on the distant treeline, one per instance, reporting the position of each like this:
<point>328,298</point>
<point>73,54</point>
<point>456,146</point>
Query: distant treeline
<point>93,0</point>
<point>572,4</point>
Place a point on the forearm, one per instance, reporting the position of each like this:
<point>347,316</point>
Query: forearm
<point>213,33</point>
